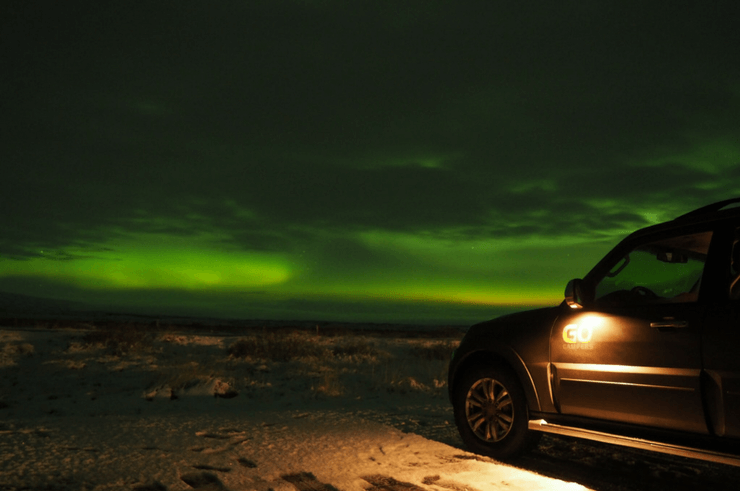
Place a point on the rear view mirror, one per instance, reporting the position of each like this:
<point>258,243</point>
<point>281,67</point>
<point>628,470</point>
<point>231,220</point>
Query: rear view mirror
<point>672,257</point>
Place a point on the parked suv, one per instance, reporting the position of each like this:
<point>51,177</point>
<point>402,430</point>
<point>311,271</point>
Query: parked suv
<point>644,351</point>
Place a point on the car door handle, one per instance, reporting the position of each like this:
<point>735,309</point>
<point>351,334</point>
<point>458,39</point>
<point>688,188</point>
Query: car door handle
<point>669,323</point>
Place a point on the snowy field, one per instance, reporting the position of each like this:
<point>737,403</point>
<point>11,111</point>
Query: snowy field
<point>150,410</point>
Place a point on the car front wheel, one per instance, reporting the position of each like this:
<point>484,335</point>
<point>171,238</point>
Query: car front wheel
<point>491,413</point>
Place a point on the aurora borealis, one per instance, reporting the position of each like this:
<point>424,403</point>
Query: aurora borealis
<point>416,161</point>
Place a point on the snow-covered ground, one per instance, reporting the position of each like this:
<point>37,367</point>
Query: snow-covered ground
<point>116,409</point>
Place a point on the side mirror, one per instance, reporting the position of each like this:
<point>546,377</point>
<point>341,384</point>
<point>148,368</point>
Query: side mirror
<point>574,294</point>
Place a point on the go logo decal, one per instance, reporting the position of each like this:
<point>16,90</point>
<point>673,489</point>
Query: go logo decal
<point>573,333</point>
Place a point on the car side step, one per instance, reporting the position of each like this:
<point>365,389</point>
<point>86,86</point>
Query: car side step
<point>625,441</point>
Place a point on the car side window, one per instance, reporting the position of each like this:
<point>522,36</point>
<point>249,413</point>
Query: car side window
<point>664,271</point>
<point>735,267</point>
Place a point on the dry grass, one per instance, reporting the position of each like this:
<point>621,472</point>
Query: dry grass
<point>265,364</point>
<point>277,347</point>
<point>119,340</point>
<point>343,364</point>
<point>355,348</point>
<point>10,352</point>
<point>434,350</point>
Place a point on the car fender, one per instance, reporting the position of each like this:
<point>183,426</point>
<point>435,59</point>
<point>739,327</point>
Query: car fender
<point>500,356</point>
<point>518,341</point>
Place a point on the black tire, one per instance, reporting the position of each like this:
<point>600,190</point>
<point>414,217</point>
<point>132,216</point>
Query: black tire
<point>491,413</point>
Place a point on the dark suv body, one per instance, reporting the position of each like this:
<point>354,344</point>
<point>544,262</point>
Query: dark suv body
<point>644,351</point>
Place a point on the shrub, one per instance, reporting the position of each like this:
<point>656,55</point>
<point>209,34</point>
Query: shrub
<point>440,350</point>
<point>119,340</point>
<point>329,384</point>
<point>276,347</point>
<point>355,348</point>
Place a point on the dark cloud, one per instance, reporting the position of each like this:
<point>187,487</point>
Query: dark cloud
<point>285,125</point>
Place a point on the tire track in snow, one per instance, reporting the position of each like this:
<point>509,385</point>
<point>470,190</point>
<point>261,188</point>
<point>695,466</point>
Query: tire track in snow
<point>387,483</point>
<point>446,483</point>
<point>305,481</point>
<point>203,481</point>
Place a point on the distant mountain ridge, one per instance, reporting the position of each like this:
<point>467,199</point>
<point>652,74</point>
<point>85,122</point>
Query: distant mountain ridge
<point>15,303</point>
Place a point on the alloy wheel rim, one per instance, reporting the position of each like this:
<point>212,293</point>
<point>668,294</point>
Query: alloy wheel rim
<point>489,410</point>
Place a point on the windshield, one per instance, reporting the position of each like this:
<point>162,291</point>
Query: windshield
<point>668,270</point>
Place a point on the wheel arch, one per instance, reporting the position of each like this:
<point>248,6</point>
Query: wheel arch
<point>509,360</point>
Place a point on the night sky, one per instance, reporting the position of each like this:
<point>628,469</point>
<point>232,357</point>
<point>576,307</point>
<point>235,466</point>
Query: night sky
<point>403,161</point>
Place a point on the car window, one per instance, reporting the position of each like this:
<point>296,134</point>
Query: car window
<point>735,267</point>
<point>663,271</point>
